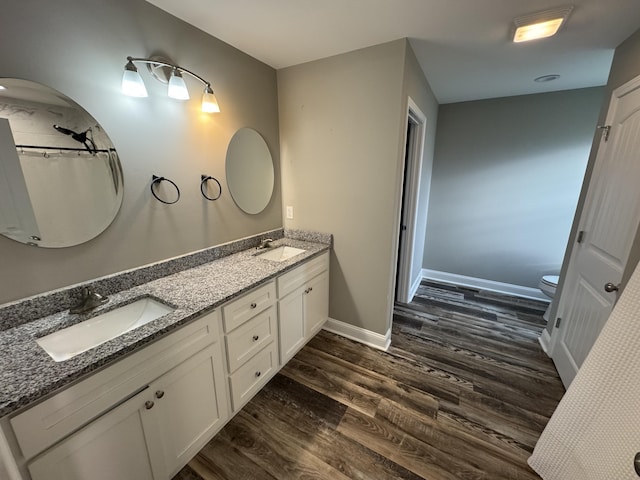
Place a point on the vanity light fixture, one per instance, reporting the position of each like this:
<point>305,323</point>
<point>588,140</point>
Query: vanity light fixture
<point>540,25</point>
<point>133,85</point>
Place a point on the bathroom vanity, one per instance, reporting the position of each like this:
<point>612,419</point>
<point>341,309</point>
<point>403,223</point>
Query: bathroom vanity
<point>142,405</point>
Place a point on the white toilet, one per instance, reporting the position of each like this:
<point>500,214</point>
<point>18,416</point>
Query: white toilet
<point>548,285</point>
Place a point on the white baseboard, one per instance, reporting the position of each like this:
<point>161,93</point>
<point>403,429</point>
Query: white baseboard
<point>359,334</point>
<point>545,341</point>
<point>482,284</point>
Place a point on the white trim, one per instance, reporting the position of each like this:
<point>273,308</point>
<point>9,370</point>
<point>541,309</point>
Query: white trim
<point>414,288</point>
<point>482,284</point>
<point>545,341</point>
<point>359,334</point>
<point>411,179</point>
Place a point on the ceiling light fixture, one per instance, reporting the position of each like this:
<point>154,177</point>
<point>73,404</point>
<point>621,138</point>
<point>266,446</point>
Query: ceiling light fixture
<point>540,25</point>
<point>133,85</point>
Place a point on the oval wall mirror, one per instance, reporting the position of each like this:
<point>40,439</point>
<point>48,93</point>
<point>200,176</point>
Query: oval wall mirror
<point>60,176</point>
<point>249,169</point>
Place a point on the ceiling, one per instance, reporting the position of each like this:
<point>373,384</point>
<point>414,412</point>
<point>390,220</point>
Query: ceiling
<point>463,46</point>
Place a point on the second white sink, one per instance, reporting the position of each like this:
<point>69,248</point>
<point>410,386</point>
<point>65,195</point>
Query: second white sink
<point>71,341</point>
<point>280,254</point>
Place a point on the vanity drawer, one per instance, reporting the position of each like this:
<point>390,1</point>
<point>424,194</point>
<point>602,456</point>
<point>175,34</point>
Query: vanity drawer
<point>289,281</point>
<point>250,337</point>
<point>53,419</point>
<point>238,311</point>
<point>250,377</point>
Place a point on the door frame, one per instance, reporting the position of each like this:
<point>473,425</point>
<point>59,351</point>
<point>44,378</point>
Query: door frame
<point>563,295</point>
<point>406,287</point>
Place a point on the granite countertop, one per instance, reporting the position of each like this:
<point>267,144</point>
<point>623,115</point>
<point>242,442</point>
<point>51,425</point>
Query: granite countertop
<point>28,373</point>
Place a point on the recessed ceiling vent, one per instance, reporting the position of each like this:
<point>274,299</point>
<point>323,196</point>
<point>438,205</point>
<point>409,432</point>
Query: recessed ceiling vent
<point>540,25</point>
<point>547,78</point>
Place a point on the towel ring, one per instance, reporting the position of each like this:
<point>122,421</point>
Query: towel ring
<point>203,183</point>
<point>158,180</point>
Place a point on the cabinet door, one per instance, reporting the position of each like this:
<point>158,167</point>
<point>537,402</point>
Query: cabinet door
<point>316,304</point>
<point>189,407</point>
<point>291,324</point>
<point>113,446</point>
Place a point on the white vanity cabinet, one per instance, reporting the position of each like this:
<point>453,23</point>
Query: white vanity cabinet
<point>303,304</point>
<point>176,401</point>
<point>250,324</point>
<point>146,415</point>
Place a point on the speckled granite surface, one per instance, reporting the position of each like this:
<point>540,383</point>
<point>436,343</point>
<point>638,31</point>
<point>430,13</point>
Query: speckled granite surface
<point>27,373</point>
<point>25,310</point>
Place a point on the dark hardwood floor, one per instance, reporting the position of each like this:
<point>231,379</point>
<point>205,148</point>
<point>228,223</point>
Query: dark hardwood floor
<point>463,393</point>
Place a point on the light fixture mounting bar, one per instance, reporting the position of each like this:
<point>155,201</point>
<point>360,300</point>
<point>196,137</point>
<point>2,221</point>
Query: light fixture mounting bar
<point>170,65</point>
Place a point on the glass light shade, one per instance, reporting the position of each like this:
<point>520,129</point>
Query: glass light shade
<point>132,84</point>
<point>537,30</point>
<point>209,102</point>
<point>177,87</point>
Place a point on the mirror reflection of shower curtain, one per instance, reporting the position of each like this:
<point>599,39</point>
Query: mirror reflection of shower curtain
<point>55,180</point>
<point>17,219</point>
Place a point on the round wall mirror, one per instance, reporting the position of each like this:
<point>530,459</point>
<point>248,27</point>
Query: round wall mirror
<point>249,169</point>
<point>60,176</point>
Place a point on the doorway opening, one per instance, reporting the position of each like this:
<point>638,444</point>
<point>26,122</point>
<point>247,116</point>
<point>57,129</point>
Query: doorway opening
<point>409,268</point>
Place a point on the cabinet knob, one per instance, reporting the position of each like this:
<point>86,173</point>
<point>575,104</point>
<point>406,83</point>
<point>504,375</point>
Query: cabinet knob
<point>258,373</point>
<point>159,394</point>
<point>306,291</point>
<point>255,338</point>
<point>254,305</point>
<point>148,404</point>
<point>311,289</point>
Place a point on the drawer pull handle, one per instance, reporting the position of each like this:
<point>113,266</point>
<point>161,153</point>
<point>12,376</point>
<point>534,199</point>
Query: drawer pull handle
<point>254,305</point>
<point>255,338</point>
<point>159,394</point>
<point>258,373</point>
<point>148,404</point>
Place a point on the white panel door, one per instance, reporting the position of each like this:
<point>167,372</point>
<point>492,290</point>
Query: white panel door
<point>188,406</point>
<point>112,447</point>
<point>610,220</point>
<point>316,304</point>
<point>291,324</point>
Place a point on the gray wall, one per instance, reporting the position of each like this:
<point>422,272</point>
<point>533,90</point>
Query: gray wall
<point>79,47</point>
<point>342,123</point>
<point>625,67</point>
<point>506,180</point>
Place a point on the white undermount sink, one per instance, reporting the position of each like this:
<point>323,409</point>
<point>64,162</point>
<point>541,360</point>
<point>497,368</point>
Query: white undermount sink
<point>71,341</point>
<point>280,254</point>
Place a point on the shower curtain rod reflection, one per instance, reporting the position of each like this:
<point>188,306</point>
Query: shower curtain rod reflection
<point>67,149</point>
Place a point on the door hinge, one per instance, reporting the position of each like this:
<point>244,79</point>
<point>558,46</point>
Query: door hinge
<point>580,238</point>
<point>606,129</point>
<point>558,321</point>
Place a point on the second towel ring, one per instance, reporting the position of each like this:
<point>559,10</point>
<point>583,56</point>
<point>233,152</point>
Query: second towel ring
<point>159,180</point>
<point>203,183</point>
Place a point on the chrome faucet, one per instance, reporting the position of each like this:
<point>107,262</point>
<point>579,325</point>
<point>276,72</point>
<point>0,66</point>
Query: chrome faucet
<point>264,243</point>
<point>90,300</point>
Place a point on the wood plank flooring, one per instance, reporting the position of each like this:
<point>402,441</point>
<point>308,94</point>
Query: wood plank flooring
<point>463,393</point>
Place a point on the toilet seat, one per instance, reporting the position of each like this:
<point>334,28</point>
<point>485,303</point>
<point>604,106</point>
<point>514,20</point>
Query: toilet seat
<point>550,280</point>
<point>548,285</point>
